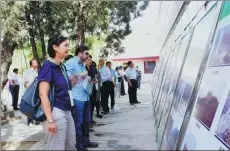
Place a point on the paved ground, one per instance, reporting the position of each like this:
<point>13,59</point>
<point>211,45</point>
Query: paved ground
<point>126,128</point>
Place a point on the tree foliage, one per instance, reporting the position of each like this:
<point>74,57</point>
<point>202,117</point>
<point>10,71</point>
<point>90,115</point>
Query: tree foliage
<point>108,20</point>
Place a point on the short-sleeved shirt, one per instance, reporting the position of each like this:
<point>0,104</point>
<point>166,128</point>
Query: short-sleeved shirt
<point>116,76</point>
<point>52,73</point>
<point>15,78</point>
<point>105,74</point>
<point>131,73</point>
<point>30,75</point>
<point>75,66</point>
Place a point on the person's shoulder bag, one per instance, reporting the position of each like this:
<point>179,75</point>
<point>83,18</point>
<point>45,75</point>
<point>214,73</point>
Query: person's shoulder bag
<point>31,103</point>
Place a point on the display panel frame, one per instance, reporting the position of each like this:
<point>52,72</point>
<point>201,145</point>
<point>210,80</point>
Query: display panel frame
<point>207,42</point>
<point>159,81</point>
<point>196,86</point>
<point>200,75</point>
<point>162,82</point>
<point>190,35</point>
<point>163,91</point>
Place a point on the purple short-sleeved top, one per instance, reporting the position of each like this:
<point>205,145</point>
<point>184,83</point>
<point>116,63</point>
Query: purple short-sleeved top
<point>62,99</point>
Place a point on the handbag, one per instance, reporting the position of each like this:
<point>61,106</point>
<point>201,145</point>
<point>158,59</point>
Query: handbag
<point>31,103</point>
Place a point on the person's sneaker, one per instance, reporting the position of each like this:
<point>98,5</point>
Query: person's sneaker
<point>91,145</point>
<point>15,109</point>
<point>105,112</point>
<point>137,102</point>
<point>112,107</point>
<point>37,123</point>
<point>99,116</point>
<point>31,125</point>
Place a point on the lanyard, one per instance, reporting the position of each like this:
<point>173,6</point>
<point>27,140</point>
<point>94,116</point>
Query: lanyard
<point>63,72</point>
<point>65,76</point>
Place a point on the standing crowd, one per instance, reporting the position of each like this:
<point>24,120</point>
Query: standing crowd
<point>80,85</point>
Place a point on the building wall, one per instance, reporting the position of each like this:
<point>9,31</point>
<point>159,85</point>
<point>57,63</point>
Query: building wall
<point>140,64</point>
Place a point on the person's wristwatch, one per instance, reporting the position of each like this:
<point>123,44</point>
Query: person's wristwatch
<point>50,121</point>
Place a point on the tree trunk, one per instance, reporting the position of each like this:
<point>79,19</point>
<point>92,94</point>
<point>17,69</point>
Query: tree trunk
<point>81,37</point>
<point>42,39</point>
<point>41,32</point>
<point>81,26</point>
<point>28,10</point>
<point>8,47</point>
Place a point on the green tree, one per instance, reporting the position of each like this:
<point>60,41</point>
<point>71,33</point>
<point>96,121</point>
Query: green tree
<point>14,33</point>
<point>36,21</point>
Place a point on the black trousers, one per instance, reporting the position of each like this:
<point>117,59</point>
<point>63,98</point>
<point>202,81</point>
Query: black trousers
<point>122,87</point>
<point>107,88</point>
<point>133,91</point>
<point>93,102</point>
<point>111,94</point>
<point>15,93</point>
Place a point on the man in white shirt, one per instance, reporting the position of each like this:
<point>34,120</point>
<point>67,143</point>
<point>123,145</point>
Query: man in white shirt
<point>106,77</point>
<point>29,77</point>
<point>131,76</point>
<point>118,83</point>
<point>112,84</point>
<point>14,82</point>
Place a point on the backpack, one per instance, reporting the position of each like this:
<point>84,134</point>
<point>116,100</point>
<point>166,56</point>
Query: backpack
<point>31,103</point>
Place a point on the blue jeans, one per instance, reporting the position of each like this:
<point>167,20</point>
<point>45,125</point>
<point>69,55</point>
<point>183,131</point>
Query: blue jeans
<point>81,116</point>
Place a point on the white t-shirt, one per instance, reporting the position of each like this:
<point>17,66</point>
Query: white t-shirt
<point>30,75</point>
<point>15,78</point>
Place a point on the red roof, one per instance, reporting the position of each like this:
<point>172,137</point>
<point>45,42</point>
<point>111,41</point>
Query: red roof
<point>152,58</point>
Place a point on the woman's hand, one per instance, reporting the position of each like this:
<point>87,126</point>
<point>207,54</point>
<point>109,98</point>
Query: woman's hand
<point>88,78</point>
<point>52,127</point>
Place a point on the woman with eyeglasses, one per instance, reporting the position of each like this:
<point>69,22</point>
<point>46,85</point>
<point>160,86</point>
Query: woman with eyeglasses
<point>59,126</point>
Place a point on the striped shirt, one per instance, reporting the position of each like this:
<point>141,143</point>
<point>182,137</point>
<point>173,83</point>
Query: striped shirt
<point>75,66</point>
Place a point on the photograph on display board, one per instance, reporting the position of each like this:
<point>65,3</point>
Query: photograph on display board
<point>167,131</point>
<point>172,130</point>
<point>221,54</point>
<point>223,129</point>
<point>185,98</point>
<point>208,101</point>
<point>149,67</point>
<point>190,142</point>
<point>178,93</point>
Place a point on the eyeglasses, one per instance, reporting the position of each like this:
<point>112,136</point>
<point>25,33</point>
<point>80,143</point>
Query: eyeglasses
<point>87,53</point>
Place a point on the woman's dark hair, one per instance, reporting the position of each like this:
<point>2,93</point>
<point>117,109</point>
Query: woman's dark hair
<point>55,40</point>
<point>68,57</point>
<point>81,49</point>
<point>15,70</point>
<point>94,64</point>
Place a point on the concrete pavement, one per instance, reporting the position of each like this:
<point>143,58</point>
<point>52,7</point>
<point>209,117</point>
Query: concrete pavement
<point>127,127</point>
